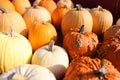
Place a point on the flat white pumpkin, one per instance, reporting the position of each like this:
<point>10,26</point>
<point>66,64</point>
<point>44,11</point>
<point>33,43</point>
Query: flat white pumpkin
<point>28,72</point>
<point>53,57</point>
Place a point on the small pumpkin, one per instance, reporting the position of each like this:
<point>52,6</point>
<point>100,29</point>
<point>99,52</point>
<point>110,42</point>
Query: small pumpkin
<point>7,4</point>
<point>86,68</point>
<point>80,43</point>
<point>76,17</point>
<point>15,50</point>
<point>40,34</point>
<point>36,14</point>
<point>12,19</point>
<point>21,5</point>
<point>50,5</point>
<point>102,19</point>
<point>58,15</point>
<point>53,57</point>
<point>118,22</point>
<point>68,3</point>
<point>28,72</point>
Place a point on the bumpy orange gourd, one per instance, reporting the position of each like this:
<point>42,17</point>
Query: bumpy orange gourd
<point>76,18</point>
<point>86,68</point>
<point>102,20</point>
<point>50,5</point>
<point>12,19</point>
<point>79,43</point>
<point>7,4</point>
<point>40,34</point>
<point>21,5</point>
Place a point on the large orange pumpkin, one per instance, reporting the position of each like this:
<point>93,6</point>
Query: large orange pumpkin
<point>76,18</point>
<point>79,43</point>
<point>40,34</point>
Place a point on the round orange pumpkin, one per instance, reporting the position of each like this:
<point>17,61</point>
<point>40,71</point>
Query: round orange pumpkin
<point>79,43</point>
<point>41,34</point>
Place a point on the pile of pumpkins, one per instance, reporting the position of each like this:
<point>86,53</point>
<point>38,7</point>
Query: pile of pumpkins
<point>57,41</point>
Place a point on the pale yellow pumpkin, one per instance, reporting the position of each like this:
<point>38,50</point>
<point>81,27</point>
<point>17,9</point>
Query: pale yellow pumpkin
<point>28,72</point>
<point>12,19</point>
<point>36,14</point>
<point>15,50</point>
<point>21,5</point>
<point>118,22</point>
<point>53,57</point>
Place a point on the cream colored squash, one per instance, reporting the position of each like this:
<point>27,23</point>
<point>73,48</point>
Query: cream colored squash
<point>28,72</point>
<point>53,57</point>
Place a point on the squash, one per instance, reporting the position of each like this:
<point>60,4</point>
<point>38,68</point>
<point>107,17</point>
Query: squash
<point>50,5</point>
<point>118,22</point>
<point>40,34</point>
<point>12,19</point>
<point>36,14</point>
<point>76,17</point>
<point>28,72</point>
<point>80,43</point>
<point>102,19</point>
<point>21,5</point>
<point>7,5</point>
<point>86,68</point>
<point>53,57</point>
<point>15,50</point>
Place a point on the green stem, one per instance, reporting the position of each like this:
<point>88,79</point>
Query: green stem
<point>51,44</point>
<point>81,30</point>
<point>78,6</point>
<point>11,32</point>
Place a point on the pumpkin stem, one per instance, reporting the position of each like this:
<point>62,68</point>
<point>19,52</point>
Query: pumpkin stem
<point>100,8</point>
<point>78,43</point>
<point>101,73</point>
<point>82,29</point>
<point>51,44</point>
<point>78,6</point>
<point>3,9</point>
<point>11,32</point>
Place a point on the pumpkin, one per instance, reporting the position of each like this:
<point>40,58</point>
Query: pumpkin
<point>80,43</point>
<point>15,50</point>
<point>110,48</point>
<point>7,4</point>
<point>12,19</point>
<point>118,22</point>
<point>68,3</point>
<point>112,32</point>
<point>76,17</point>
<point>21,5</point>
<point>86,68</point>
<point>102,20</point>
<point>40,34</point>
<point>53,57</point>
<point>58,15</point>
<point>50,5</point>
<point>36,14</point>
<point>28,72</point>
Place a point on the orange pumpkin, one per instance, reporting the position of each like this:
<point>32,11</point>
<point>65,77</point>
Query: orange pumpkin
<point>50,5</point>
<point>86,68</point>
<point>79,43</point>
<point>76,18</point>
<point>41,34</point>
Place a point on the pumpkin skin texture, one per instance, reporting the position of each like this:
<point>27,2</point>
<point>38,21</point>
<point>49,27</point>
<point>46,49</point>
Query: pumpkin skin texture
<point>40,34</point>
<point>68,3</point>
<point>28,72</point>
<point>7,5</point>
<point>12,19</point>
<point>53,57</point>
<point>80,44</point>
<point>76,17</point>
<point>21,5</point>
<point>36,14</point>
<point>15,50</point>
<point>86,68</point>
<point>102,20</point>
<point>58,15</point>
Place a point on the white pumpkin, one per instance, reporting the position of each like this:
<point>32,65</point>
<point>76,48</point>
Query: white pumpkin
<point>28,72</point>
<point>53,57</point>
